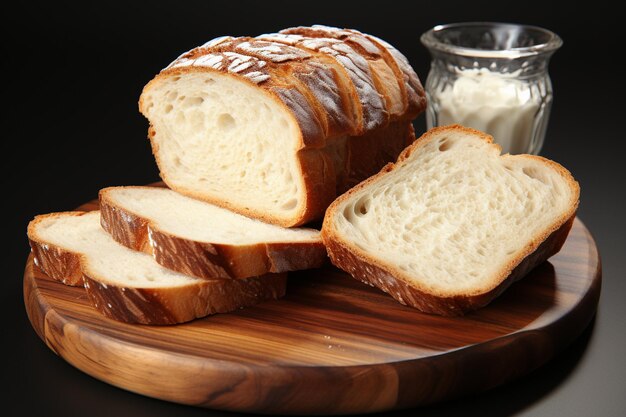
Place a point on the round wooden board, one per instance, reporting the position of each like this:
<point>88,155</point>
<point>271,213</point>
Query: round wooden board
<point>331,346</point>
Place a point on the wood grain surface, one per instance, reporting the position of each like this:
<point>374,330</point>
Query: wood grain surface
<point>331,346</point>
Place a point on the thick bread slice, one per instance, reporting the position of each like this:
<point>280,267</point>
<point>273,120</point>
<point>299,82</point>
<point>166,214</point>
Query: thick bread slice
<point>271,127</point>
<point>202,240</point>
<point>130,286</point>
<point>452,223</point>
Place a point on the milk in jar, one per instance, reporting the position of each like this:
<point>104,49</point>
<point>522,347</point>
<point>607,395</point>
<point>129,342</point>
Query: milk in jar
<point>498,104</point>
<point>492,77</point>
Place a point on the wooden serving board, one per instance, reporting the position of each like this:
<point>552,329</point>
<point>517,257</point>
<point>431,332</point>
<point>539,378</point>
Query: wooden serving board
<point>331,346</point>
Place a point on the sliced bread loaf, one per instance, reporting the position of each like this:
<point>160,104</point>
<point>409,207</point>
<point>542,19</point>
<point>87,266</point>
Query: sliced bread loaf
<point>203,240</point>
<point>452,223</point>
<point>130,286</point>
<point>275,127</point>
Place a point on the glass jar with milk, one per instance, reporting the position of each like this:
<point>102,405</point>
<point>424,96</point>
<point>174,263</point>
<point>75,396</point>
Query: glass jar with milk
<point>492,77</point>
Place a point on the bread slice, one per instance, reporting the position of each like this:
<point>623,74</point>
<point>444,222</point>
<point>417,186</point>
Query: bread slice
<point>452,223</point>
<point>276,127</point>
<point>130,286</point>
<point>203,240</point>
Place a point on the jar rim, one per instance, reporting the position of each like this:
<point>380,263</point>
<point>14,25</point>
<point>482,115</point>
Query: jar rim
<point>516,40</point>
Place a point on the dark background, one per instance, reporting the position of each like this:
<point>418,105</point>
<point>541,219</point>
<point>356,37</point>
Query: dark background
<point>72,76</point>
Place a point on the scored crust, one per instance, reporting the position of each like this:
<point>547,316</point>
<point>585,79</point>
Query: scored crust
<point>402,287</point>
<point>382,62</point>
<point>154,306</point>
<point>205,260</point>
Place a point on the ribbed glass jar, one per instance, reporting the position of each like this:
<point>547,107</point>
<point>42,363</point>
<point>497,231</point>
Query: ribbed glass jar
<point>492,77</point>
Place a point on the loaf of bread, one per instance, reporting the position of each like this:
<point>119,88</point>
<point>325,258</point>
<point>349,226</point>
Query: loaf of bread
<point>130,286</point>
<point>452,223</point>
<point>275,127</point>
<point>203,240</point>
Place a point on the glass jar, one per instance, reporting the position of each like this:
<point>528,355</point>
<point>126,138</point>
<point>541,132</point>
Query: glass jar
<point>492,77</point>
